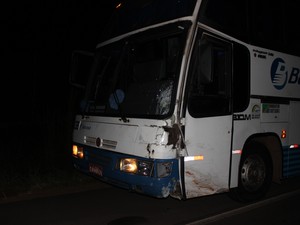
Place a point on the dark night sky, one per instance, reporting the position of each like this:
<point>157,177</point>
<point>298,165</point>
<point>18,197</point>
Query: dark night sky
<point>37,39</point>
<point>37,42</point>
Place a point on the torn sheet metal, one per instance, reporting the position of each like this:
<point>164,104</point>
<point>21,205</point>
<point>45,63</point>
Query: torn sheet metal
<point>161,141</point>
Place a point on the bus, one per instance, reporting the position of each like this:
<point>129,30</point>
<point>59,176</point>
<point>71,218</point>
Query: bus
<point>191,98</point>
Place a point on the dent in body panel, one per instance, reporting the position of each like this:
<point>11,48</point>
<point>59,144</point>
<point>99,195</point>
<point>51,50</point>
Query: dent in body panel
<point>171,189</point>
<point>160,140</point>
<point>155,150</point>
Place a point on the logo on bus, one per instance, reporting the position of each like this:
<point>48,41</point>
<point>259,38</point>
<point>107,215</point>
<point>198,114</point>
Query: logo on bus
<point>255,114</point>
<point>280,75</point>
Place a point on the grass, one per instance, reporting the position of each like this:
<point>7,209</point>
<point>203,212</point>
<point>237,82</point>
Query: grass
<point>37,160</point>
<point>33,180</point>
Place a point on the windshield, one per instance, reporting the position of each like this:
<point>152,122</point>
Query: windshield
<point>135,14</point>
<point>137,76</point>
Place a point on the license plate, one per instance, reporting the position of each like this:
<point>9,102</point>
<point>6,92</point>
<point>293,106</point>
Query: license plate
<point>96,169</point>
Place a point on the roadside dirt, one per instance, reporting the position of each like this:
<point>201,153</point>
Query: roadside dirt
<point>13,196</point>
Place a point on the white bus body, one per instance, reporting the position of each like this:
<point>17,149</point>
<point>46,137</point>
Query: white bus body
<point>222,116</point>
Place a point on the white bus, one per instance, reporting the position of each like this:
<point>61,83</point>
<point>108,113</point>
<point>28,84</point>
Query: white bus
<point>191,98</point>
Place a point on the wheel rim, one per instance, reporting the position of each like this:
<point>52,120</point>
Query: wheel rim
<point>253,173</point>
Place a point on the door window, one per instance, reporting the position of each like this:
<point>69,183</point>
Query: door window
<point>210,72</point>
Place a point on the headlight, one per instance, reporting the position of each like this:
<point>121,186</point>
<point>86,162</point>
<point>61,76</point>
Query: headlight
<point>78,151</point>
<point>130,165</point>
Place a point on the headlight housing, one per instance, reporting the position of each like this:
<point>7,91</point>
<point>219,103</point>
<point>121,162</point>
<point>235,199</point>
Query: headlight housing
<point>135,166</point>
<point>145,168</point>
<point>78,151</point>
<point>164,169</point>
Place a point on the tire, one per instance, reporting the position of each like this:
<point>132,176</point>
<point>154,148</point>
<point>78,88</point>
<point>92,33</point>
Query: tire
<point>255,174</point>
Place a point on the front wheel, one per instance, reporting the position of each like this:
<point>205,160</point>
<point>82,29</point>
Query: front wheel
<point>255,174</point>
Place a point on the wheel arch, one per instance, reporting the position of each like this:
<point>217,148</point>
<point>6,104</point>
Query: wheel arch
<point>272,143</point>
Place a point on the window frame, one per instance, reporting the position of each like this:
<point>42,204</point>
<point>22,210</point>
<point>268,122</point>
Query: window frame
<point>208,105</point>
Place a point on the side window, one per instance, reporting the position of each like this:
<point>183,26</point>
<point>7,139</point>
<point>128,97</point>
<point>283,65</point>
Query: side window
<point>210,77</point>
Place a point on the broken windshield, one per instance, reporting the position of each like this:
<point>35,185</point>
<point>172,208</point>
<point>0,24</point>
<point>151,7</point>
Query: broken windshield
<point>137,76</point>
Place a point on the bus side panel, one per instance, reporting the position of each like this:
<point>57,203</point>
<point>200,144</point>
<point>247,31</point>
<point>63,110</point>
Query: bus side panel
<point>294,125</point>
<point>245,124</point>
<point>274,74</point>
<point>206,167</point>
<point>291,153</point>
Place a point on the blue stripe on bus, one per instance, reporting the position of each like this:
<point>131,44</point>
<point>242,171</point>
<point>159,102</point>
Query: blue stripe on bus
<point>291,162</point>
<point>107,160</point>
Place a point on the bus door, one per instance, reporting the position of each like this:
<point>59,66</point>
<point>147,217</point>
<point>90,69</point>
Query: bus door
<point>208,117</point>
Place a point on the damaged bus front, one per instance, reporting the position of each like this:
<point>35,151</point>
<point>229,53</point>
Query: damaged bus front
<point>128,132</point>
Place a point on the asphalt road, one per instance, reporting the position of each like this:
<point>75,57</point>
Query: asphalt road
<point>278,210</point>
<point>107,205</point>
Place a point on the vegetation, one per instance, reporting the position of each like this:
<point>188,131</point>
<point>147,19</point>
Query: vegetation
<point>37,156</point>
<point>37,104</point>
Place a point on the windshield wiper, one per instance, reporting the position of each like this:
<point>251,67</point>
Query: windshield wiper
<point>117,101</point>
<point>114,82</point>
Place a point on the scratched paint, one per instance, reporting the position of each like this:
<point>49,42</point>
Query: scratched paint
<point>166,191</point>
<point>155,150</point>
<point>197,184</point>
<point>160,141</point>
